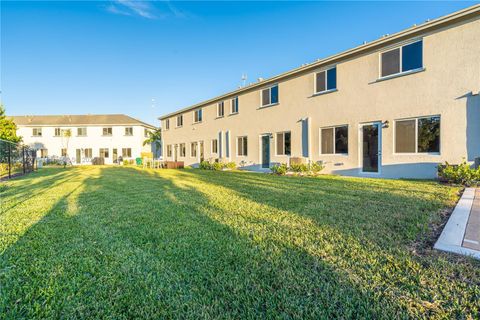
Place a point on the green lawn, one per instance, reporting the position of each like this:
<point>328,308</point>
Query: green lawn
<point>122,243</point>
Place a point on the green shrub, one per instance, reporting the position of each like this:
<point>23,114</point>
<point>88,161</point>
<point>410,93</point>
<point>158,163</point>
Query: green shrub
<point>460,174</point>
<point>280,169</point>
<point>217,166</point>
<point>231,165</point>
<point>299,167</point>
<point>205,165</point>
<point>125,162</point>
<point>316,167</point>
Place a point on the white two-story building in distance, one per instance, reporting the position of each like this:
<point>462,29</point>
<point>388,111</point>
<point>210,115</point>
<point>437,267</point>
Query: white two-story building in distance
<point>82,138</point>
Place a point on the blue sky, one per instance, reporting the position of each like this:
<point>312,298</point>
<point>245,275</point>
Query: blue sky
<point>116,56</point>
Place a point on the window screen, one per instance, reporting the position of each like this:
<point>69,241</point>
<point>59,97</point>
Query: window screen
<point>405,136</point>
<point>391,62</point>
<point>327,141</point>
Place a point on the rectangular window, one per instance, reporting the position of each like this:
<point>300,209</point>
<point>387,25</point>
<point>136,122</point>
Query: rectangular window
<point>37,132</point>
<point>234,105</point>
<point>220,109</point>
<point>326,80</point>
<point>58,132</point>
<point>403,59</point>
<point>64,152</point>
<point>129,131</point>
<point>169,150</point>
<point>197,116</point>
<point>420,135</point>
<point>43,153</point>
<point>107,131</point>
<point>242,146</point>
<point>126,152</point>
<point>88,153</point>
<point>104,153</point>
<point>82,132</point>
<point>334,140</point>
<point>167,124</point>
<point>180,120</point>
<point>270,96</point>
<point>183,150</point>
<point>193,149</point>
<point>284,144</point>
<point>214,146</point>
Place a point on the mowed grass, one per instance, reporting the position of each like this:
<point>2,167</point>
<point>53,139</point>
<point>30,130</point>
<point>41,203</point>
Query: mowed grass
<point>122,243</point>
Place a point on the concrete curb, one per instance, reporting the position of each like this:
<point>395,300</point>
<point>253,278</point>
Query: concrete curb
<point>452,235</point>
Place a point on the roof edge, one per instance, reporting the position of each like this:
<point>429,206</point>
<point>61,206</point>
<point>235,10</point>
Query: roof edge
<point>457,15</point>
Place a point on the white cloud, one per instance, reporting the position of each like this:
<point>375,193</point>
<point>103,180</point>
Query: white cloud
<point>132,8</point>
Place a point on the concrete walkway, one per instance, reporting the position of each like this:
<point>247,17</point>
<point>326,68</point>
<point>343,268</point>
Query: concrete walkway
<point>462,232</point>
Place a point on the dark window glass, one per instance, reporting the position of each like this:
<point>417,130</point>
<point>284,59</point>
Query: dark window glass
<point>327,141</point>
<point>265,97</point>
<point>341,139</point>
<point>429,134</point>
<point>332,79</point>
<point>245,146</point>
<point>288,144</point>
<point>405,136</point>
<point>221,109</point>
<point>391,62</point>
<point>274,94</point>
<point>412,57</point>
<point>321,85</point>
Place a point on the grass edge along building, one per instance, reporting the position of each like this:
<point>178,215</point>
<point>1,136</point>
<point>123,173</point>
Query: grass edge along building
<point>107,136</point>
<point>395,107</point>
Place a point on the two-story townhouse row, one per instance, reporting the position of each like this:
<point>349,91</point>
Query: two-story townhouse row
<point>394,107</point>
<point>84,137</point>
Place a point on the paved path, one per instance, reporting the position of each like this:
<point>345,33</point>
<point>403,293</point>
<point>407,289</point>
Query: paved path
<point>461,234</point>
<point>471,239</point>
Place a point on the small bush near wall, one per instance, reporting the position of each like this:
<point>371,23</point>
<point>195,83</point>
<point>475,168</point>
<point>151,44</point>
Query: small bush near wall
<point>460,174</point>
<point>207,165</point>
<point>313,168</point>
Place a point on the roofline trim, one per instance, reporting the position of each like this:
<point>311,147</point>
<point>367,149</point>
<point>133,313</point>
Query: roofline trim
<point>342,55</point>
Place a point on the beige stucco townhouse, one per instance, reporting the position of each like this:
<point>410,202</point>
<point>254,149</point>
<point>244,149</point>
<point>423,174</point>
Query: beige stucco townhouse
<point>395,107</point>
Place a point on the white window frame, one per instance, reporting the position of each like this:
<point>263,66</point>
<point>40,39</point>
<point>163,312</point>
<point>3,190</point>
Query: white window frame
<point>416,137</point>
<point>130,134</point>
<point>194,112</point>
<point>236,147</point>
<point>232,103</point>
<point>167,124</point>
<point>315,92</point>
<point>82,135</point>
<point>179,117</point>
<point>334,136</point>
<point>108,134</point>
<point>211,146</point>
<point>270,93</point>
<point>180,150</point>
<point>38,130</point>
<point>399,46</point>
<point>276,147</point>
<point>169,150</point>
<point>60,132</point>
<point>191,149</point>
<point>222,104</point>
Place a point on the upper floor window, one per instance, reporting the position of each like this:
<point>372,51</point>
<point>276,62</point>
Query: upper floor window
<point>284,144</point>
<point>81,132</point>
<point>197,116</point>
<point>58,132</point>
<point>220,109</point>
<point>215,146</point>
<point>107,132</point>
<point>37,132</point>
<point>419,135</point>
<point>406,58</point>
<point>129,131</point>
<point>242,146</point>
<point>326,80</point>
<point>234,105</point>
<point>180,120</point>
<point>167,124</point>
<point>334,140</point>
<point>270,96</point>
<point>183,150</point>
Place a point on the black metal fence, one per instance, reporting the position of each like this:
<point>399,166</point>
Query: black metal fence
<point>15,159</point>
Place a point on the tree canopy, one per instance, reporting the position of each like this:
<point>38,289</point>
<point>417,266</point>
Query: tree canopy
<point>8,128</point>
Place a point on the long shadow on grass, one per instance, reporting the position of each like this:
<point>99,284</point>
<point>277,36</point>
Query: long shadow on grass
<point>425,286</point>
<point>141,244</point>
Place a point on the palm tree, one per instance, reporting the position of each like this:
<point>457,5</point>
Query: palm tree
<point>154,138</point>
